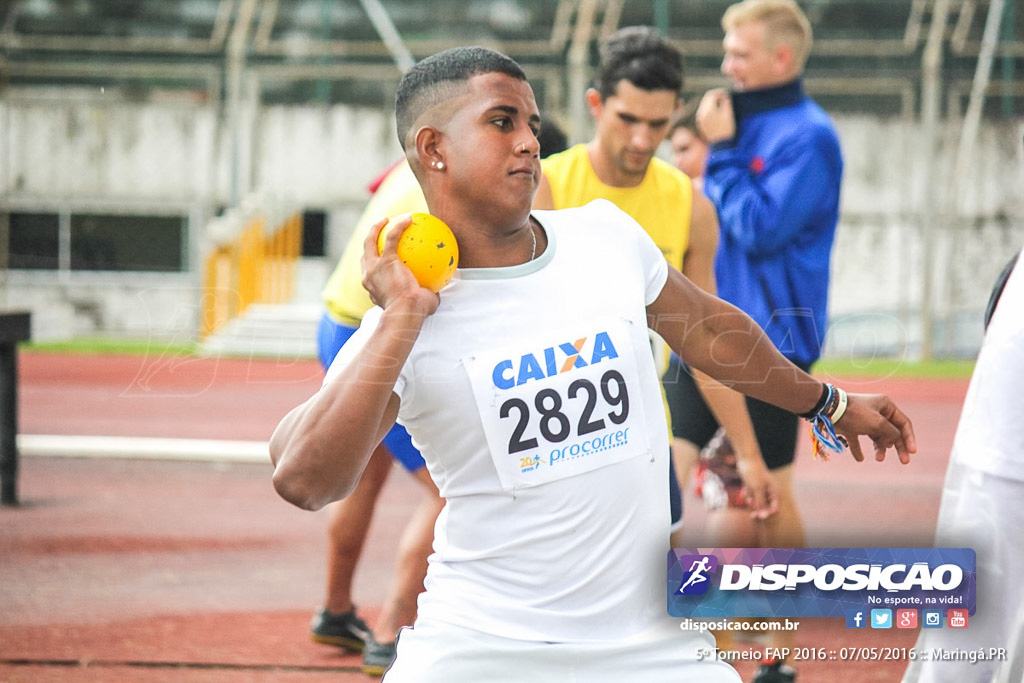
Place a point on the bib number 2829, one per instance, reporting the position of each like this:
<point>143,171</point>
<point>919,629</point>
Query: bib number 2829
<point>554,425</point>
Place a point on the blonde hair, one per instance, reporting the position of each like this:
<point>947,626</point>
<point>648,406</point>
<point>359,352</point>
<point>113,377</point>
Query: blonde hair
<point>784,22</point>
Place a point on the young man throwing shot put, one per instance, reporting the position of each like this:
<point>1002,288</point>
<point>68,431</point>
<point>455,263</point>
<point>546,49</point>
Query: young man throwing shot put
<point>546,567</point>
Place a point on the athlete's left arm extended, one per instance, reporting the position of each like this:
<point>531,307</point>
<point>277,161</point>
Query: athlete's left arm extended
<point>719,339</point>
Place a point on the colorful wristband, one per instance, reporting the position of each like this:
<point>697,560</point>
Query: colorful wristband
<point>826,392</point>
<point>830,407</point>
<point>840,407</point>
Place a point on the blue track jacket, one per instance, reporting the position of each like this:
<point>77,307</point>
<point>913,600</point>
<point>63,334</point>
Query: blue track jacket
<point>776,189</point>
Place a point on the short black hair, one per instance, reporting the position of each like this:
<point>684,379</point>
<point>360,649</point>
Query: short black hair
<point>643,57</point>
<point>443,76</point>
<point>551,137</point>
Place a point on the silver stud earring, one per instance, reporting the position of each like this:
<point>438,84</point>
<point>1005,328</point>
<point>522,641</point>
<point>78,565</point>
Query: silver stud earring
<point>439,165</point>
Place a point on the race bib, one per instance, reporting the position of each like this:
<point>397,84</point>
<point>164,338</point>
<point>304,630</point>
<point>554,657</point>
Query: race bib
<point>560,405</point>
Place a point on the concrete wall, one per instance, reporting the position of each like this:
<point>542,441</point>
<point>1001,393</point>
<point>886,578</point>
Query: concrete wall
<point>91,150</point>
<point>95,152</point>
<point>893,196</point>
<point>86,153</point>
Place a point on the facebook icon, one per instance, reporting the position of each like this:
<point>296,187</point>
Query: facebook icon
<point>855,618</point>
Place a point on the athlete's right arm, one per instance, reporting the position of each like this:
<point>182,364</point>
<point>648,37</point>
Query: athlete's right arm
<point>320,448</point>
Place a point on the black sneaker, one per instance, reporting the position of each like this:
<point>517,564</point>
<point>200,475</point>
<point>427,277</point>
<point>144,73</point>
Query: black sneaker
<point>345,630</point>
<point>774,671</point>
<point>377,658</point>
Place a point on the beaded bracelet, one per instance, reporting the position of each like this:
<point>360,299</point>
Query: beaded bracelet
<point>829,409</point>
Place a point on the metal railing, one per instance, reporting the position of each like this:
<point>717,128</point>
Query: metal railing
<point>251,261</point>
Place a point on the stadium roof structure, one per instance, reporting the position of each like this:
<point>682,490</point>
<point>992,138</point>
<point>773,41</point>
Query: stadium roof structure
<point>869,55</point>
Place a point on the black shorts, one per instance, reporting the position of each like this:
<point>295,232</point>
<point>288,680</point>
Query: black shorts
<point>675,494</point>
<point>776,429</point>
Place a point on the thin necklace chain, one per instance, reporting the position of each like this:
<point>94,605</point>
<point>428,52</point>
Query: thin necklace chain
<point>533,251</point>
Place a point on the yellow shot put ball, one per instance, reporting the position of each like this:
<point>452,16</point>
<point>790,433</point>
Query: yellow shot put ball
<point>428,248</point>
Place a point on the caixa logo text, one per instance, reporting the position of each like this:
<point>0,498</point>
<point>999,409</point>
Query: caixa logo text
<point>553,360</point>
<point>833,577</point>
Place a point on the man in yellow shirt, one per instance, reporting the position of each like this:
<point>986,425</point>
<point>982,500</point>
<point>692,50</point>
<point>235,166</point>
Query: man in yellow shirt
<point>635,96</point>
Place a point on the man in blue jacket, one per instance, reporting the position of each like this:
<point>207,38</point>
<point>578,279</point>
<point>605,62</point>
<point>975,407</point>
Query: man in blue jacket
<point>774,175</point>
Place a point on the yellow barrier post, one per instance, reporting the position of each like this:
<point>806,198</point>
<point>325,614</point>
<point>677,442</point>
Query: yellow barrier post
<point>254,267</point>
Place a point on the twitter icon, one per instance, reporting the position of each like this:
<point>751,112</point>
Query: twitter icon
<point>881,618</point>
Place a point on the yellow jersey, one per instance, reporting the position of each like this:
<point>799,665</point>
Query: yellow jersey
<point>662,203</point>
<point>344,295</point>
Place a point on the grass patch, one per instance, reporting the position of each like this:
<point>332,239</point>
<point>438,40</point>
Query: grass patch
<point>889,367</point>
<point>99,345</point>
<point>850,367</point>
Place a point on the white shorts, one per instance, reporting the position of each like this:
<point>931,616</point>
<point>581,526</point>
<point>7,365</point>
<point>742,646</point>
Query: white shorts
<point>434,651</point>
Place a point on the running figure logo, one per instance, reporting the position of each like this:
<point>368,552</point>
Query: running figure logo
<point>697,579</point>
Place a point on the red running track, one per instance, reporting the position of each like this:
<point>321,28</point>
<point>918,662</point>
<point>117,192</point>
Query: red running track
<point>126,569</point>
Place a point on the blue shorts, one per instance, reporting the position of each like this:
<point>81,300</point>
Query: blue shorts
<point>331,336</point>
